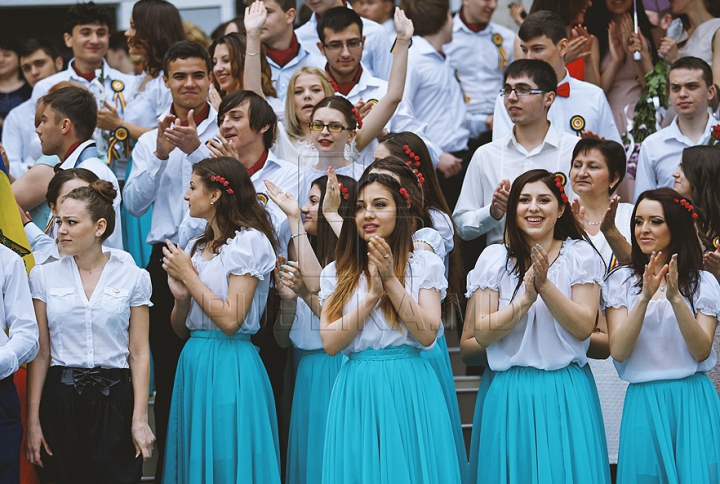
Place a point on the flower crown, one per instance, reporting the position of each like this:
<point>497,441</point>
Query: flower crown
<point>414,161</point>
<point>560,181</point>
<point>405,194</point>
<point>223,182</point>
<point>687,206</point>
<point>359,118</point>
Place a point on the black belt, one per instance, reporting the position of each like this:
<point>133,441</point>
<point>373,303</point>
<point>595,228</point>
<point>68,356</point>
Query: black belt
<point>98,378</point>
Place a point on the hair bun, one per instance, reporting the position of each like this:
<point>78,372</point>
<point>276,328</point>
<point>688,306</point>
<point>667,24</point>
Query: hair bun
<point>105,189</point>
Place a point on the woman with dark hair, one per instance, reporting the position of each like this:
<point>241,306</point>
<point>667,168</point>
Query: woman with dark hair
<point>88,386</point>
<point>387,420</point>
<point>622,76</point>
<point>223,425</point>
<point>533,306</point>
<point>13,88</point>
<point>662,313</point>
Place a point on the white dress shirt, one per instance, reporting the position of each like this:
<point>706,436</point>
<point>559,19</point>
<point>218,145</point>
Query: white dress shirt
<point>162,183</point>
<point>146,106</point>
<point>101,87</point>
<point>88,333</point>
<point>17,134</point>
<point>538,340</point>
<point>481,75</point>
<point>505,159</point>
<point>435,97</point>
<point>376,50</point>
<point>660,352</point>
<point>281,75</point>
<point>661,153</point>
<point>18,327</point>
<point>585,109</point>
<point>101,169</point>
<point>425,271</point>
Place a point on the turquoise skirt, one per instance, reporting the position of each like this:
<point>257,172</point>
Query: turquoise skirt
<point>314,382</point>
<point>388,422</point>
<point>439,359</point>
<point>670,432</point>
<point>543,427</point>
<point>474,465</point>
<point>223,425</point>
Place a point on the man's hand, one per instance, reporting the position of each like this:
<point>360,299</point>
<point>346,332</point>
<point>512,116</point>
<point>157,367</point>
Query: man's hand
<point>449,165</point>
<point>163,146</point>
<point>498,206</point>
<point>184,137</point>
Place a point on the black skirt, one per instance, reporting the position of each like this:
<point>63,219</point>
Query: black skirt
<point>86,418</point>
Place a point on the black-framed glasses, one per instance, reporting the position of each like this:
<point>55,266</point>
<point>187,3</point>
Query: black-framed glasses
<point>333,127</point>
<point>520,91</point>
<point>337,45</point>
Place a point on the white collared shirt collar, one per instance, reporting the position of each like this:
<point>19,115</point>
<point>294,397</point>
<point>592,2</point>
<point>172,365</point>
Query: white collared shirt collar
<point>552,137</point>
<point>72,159</point>
<point>673,131</point>
<point>424,47</point>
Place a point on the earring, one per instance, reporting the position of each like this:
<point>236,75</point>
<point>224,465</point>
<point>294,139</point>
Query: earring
<point>212,203</point>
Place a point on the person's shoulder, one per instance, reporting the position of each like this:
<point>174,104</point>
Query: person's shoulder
<point>148,138</point>
<point>128,80</point>
<point>10,259</point>
<point>372,27</point>
<point>505,32</point>
<point>44,85</point>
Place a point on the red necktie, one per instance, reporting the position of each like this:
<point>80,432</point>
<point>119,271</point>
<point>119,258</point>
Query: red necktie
<point>563,90</point>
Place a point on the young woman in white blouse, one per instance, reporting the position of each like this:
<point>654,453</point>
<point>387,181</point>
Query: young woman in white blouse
<point>223,425</point>
<point>387,421</point>
<point>533,307</point>
<point>88,386</point>
<point>662,312</point>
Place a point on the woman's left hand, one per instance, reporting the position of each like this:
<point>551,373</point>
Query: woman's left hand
<point>541,264</point>
<point>254,19</point>
<point>143,439</point>
<point>177,262</point>
<point>381,255</point>
<point>403,25</point>
<point>285,201</point>
<point>673,290</point>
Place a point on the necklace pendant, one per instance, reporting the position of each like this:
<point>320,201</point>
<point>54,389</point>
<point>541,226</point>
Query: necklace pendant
<point>662,288</point>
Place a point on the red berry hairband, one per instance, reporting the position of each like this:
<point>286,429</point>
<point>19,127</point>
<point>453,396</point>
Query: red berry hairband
<point>343,191</point>
<point>223,182</point>
<point>560,181</point>
<point>405,194</point>
<point>359,118</point>
<point>414,161</point>
<point>687,206</point>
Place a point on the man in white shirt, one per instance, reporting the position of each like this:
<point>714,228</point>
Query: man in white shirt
<point>284,53</point>
<point>87,33</point>
<point>38,59</point>
<point>159,178</point>
<point>579,106</point>
<point>66,126</point>
<point>380,11</point>
<point>18,345</point>
<point>529,91</point>
<point>481,75</point>
<point>691,90</point>
<point>433,91</point>
<point>376,54</point>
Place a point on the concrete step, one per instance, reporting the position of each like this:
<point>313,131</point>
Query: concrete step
<point>458,367</point>
<point>466,389</point>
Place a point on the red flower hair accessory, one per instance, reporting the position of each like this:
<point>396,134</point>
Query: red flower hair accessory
<point>359,118</point>
<point>687,206</point>
<point>414,161</point>
<point>404,193</point>
<point>221,180</point>
<point>560,181</point>
<point>344,191</point>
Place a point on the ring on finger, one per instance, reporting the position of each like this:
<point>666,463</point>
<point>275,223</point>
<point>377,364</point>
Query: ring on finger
<point>386,256</point>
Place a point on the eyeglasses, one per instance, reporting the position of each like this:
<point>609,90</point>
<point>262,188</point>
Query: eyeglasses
<point>520,91</point>
<point>333,127</point>
<point>337,46</point>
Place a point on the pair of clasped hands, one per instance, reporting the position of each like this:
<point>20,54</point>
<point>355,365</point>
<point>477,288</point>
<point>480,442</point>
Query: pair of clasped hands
<point>171,135</point>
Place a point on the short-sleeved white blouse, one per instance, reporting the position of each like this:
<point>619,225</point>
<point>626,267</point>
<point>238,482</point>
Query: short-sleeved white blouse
<point>249,252</point>
<point>660,352</point>
<point>425,271</point>
<point>88,333</point>
<point>538,340</point>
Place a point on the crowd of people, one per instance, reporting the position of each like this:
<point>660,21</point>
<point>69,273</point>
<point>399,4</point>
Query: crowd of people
<point>282,224</point>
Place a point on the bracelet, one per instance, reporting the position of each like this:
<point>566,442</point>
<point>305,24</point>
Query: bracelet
<point>252,53</point>
<point>298,235</point>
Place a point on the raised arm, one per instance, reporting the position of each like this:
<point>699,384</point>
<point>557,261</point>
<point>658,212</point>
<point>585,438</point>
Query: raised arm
<point>380,115</point>
<point>254,20</point>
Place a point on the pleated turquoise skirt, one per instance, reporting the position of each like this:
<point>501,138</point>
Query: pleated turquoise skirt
<point>670,432</point>
<point>542,427</point>
<point>388,422</point>
<point>314,382</point>
<point>223,425</point>
<point>474,464</point>
<point>439,359</point>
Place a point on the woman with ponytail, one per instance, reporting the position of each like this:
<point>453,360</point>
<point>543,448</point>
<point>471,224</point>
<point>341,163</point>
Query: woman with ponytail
<point>223,425</point>
<point>88,386</point>
<point>533,306</point>
<point>387,420</point>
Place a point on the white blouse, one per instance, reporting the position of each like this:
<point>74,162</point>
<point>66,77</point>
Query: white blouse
<point>660,352</point>
<point>538,340</point>
<point>88,333</point>
<point>622,222</point>
<point>305,331</point>
<point>146,106</point>
<point>249,252</point>
<point>425,271</point>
